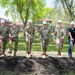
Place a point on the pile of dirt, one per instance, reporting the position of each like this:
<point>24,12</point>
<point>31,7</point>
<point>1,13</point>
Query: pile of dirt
<point>36,66</point>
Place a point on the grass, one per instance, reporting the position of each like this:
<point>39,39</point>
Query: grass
<point>36,45</point>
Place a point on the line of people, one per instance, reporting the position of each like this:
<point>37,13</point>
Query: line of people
<point>8,33</point>
<point>11,34</point>
<point>59,35</point>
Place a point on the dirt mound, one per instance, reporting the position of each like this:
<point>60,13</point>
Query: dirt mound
<point>36,66</point>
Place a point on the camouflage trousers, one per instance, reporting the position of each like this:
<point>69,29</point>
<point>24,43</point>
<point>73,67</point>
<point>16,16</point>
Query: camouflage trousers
<point>4,42</point>
<point>44,44</point>
<point>59,44</point>
<point>15,40</point>
<point>29,46</point>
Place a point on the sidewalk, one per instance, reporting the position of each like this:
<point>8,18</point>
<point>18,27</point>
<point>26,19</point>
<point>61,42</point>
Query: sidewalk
<point>38,54</point>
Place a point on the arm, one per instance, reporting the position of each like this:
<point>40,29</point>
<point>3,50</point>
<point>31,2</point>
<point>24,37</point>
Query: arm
<point>40,33</point>
<point>64,34</point>
<point>34,32</point>
<point>55,33</point>
<point>69,33</point>
<point>17,32</point>
<point>26,32</point>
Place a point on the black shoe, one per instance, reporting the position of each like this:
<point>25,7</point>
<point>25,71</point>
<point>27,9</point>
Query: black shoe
<point>70,56</point>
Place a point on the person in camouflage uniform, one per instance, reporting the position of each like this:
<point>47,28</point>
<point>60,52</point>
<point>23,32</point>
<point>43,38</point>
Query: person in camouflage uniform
<point>14,31</point>
<point>1,38</point>
<point>44,37</point>
<point>5,36</point>
<point>59,35</point>
<point>29,36</point>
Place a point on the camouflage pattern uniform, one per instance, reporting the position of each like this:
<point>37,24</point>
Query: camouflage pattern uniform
<point>29,32</point>
<point>14,31</point>
<point>44,37</point>
<point>58,34</point>
<point>5,34</point>
<point>0,40</point>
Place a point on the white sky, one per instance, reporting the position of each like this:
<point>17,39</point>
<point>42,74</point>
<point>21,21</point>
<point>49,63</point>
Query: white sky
<point>50,3</point>
<point>2,15</point>
<point>2,11</point>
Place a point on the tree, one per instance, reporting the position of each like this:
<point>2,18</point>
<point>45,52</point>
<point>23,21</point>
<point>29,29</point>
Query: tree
<point>69,7</point>
<point>22,7</point>
<point>37,10</point>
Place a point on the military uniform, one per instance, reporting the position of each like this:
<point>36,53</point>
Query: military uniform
<point>44,37</point>
<point>58,34</point>
<point>14,31</point>
<point>29,32</point>
<point>5,34</point>
<point>0,39</point>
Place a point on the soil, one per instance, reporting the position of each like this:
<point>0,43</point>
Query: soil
<point>21,65</point>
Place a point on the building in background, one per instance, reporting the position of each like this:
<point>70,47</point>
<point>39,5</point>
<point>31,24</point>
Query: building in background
<point>7,22</point>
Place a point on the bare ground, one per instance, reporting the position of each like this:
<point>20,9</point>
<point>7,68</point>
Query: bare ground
<point>36,65</point>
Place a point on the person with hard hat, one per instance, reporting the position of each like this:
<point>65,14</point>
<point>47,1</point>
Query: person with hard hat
<point>14,32</point>
<point>29,32</point>
<point>5,34</point>
<point>71,38</point>
<point>44,38</point>
<point>59,34</point>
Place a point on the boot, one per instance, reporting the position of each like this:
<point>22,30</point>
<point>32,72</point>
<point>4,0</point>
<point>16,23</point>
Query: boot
<point>70,56</point>
<point>43,53</point>
<point>59,53</point>
<point>29,55</point>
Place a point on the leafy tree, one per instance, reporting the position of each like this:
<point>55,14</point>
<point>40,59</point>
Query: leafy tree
<point>22,8</point>
<point>69,7</point>
<point>37,10</point>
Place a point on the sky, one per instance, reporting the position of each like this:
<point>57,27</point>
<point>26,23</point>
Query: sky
<point>49,3</point>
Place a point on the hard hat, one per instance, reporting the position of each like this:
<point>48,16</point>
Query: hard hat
<point>2,21</point>
<point>44,22</point>
<point>29,20</point>
<point>72,22</point>
<point>59,21</point>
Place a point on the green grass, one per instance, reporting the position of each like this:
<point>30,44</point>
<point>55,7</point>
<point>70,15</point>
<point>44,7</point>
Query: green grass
<point>37,46</point>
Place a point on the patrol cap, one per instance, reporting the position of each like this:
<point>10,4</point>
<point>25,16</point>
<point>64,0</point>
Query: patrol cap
<point>29,20</point>
<point>59,21</point>
<point>44,22</point>
<point>72,22</point>
<point>2,21</point>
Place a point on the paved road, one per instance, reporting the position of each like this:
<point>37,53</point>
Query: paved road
<point>38,54</point>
